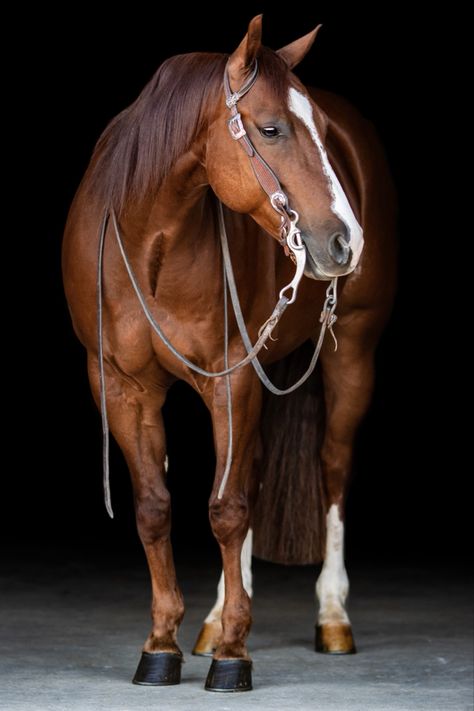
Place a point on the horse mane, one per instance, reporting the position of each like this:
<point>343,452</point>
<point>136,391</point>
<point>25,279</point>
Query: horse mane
<point>140,145</point>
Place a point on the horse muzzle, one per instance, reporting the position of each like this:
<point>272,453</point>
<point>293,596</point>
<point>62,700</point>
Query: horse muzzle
<point>334,260</point>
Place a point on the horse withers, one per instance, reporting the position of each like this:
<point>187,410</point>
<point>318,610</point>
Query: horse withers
<point>284,161</point>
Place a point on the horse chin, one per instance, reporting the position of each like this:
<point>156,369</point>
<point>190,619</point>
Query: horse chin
<point>316,275</point>
<point>313,270</point>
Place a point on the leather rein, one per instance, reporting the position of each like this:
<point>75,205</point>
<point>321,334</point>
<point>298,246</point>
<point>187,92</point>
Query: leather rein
<point>294,247</point>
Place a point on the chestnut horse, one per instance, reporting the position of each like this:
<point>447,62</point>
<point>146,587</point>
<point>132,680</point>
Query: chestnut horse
<point>157,169</point>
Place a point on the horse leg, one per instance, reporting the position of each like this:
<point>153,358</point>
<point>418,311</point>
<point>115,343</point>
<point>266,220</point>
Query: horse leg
<point>348,376</point>
<point>229,516</point>
<point>211,630</point>
<point>135,420</point>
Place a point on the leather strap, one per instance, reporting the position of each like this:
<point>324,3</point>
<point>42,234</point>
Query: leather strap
<point>264,174</point>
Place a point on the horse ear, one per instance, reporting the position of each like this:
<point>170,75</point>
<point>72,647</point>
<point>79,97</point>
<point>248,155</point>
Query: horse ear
<point>244,56</point>
<point>293,53</point>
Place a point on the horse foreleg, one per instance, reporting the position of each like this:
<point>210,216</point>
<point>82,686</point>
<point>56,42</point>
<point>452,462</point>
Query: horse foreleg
<point>229,517</point>
<point>348,381</point>
<point>211,630</point>
<point>135,421</point>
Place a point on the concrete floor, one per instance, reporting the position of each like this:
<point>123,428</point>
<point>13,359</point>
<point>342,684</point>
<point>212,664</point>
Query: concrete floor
<point>71,634</point>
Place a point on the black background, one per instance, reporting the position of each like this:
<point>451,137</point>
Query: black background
<point>73,73</point>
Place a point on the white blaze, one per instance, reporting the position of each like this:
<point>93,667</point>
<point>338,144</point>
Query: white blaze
<point>300,105</point>
<point>333,584</point>
<point>246,567</point>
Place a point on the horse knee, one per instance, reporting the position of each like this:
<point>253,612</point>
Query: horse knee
<point>153,514</point>
<point>229,518</point>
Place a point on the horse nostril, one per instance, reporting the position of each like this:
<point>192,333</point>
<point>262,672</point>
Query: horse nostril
<point>339,248</point>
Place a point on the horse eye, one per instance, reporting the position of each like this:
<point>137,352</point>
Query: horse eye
<point>269,132</point>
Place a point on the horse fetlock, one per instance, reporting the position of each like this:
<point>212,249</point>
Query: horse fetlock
<point>167,613</point>
<point>332,591</point>
<point>332,611</point>
<point>235,649</point>
<point>236,623</point>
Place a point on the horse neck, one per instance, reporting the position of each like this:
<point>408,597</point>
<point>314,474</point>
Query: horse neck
<point>171,237</point>
<point>175,241</point>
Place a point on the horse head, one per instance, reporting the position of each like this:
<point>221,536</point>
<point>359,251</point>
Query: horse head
<point>288,130</point>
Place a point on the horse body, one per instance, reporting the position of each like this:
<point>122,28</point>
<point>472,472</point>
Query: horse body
<point>172,240</point>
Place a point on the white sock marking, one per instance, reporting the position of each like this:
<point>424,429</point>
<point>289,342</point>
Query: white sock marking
<point>246,563</point>
<point>332,587</point>
<point>300,105</point>
<point>246,566</point>
<point>216,612</point>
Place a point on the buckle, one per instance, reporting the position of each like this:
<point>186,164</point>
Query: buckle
<point>236,127</point>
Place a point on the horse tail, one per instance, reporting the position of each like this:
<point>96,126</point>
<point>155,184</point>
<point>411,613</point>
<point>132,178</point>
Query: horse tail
<point>288,515</point>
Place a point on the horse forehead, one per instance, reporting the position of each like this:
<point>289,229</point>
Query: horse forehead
<point>265,97</point>
<point>300,106</point>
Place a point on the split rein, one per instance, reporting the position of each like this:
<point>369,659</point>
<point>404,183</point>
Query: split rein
<point>293,244</point>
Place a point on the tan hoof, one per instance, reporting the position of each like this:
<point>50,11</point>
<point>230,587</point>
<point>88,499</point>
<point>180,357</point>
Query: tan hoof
<point>208,639</point>
<point>334,639</point>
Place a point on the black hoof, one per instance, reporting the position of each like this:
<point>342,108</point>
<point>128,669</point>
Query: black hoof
<point>161,669</point>
<point>229,675</point>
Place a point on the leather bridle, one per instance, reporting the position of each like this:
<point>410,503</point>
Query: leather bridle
<point>290,235</point>
<point>264,174</point>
